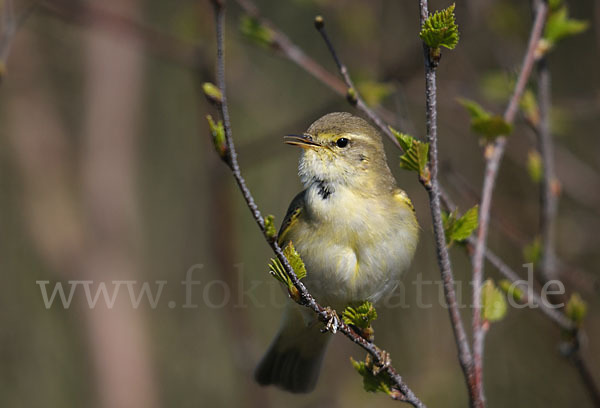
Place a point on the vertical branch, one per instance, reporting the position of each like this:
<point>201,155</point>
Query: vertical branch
<point>433,190</point>
<point>494,154</point>
<point>549,206</point>
<point>549,193</point>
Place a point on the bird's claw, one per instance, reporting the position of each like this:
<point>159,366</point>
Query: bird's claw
<point>333,321</point>
<point>386,361</point>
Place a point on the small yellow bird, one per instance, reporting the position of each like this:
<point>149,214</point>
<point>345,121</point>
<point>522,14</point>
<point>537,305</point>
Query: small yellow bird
<point>355,230</point>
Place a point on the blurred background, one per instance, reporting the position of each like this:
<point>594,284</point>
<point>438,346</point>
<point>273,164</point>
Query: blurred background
<point>108,174</point>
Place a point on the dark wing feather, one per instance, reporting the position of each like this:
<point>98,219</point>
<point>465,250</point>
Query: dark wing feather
<point>291,217</point>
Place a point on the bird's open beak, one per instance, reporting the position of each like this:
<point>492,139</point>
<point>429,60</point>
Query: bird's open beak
<point>304,141</point>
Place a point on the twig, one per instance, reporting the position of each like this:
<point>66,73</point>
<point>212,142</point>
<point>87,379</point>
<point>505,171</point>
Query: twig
<point>432,186</point>
<point>283,44</point>
<point>306,299</point>
<point>555,315</point>
<point>548,203</point>
<point>548,196</point>
<point>353,96</point>
<point>494,155</point>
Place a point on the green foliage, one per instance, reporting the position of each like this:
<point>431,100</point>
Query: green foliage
<point>440,29</point>
<point>534,166</point>
<point>529,106</point>
<point>252,29</point>
<point>270,229</point>
<point>496,86</point>
<point>212,92</point>
<point>533,251</point>
<point>278,271</point>
<point>576,309</point>
<point>511,290</point>
<point>559,26</point>
<point>374,92</point>
<point>218,134</point>
<point>457,229</point>
<point>483,122</point>
<point>415,153</point>
<point>380,382</point>
<point>492,301</point>
<point>351,96</point>
<point>361,316</point>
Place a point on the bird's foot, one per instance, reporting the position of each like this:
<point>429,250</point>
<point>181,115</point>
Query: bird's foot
<point>333,321</point>
<point>385,360</point>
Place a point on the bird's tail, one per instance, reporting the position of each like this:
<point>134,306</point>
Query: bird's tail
<point>294,358</point>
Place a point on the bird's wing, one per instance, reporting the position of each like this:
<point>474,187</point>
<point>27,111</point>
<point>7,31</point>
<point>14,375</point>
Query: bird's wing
<point>291,218</point>
<point>402,198</point>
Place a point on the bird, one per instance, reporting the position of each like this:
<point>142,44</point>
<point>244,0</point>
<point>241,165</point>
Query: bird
<point>355,230</point>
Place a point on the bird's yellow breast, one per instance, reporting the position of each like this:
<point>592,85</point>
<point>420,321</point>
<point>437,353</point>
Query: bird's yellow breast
<point>355,246</point>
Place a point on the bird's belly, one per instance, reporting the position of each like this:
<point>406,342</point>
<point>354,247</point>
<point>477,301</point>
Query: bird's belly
<point>352,261</point>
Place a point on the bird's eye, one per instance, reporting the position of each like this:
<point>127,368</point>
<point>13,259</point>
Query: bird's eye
<point>342,142</point>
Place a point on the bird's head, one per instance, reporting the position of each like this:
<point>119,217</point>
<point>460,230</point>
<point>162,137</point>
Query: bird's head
<point>340,148</point>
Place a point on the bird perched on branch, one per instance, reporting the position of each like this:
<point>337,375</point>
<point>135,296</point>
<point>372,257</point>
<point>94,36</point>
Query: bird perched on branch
<point>355,230</point>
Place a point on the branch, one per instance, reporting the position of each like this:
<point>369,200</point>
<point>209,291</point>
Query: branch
<point>432,186</point>
<point>352,93</point>
<point>325,315</point>
<point>291,51</point>
<point>553,314</point>
<point>549,193</point>
<point>549,203</point>
<point>494,155</point>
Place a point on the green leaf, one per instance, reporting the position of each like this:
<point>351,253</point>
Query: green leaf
<point>440,29</point>
<point>295,261</point>
<point>559,26</point>
<point>415,155</point>
<point>492,127</point>
<point>252,29</point>
<point>270,229</point>
<point>361,316</point>
<point>576,309</point>
<point>492,301</point>
<point>529,106</point>
<point>458,229</point>
<point>218,134</point>
<point>483,122</point>
<point>372,382</point>
<point>465,225</point>
<point>496,86</point>
<point>533,251</point>
<point>212,92</point>
<point>404,139</point>
<point>277,270</point>
<point>534,166</point>
<point>476,111</point>
<point>511,290</point>
<point>554,4</point>
<point>374,92</point>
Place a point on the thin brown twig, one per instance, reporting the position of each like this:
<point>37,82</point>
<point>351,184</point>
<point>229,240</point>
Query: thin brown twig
<point>549,193</point>
<point>548,211</point>
<point>494,155</point>
<point>353,96</point>
<point>283,44</point>
<point>326,315</point>
<point>553,314</point>
<point>432,186</point>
